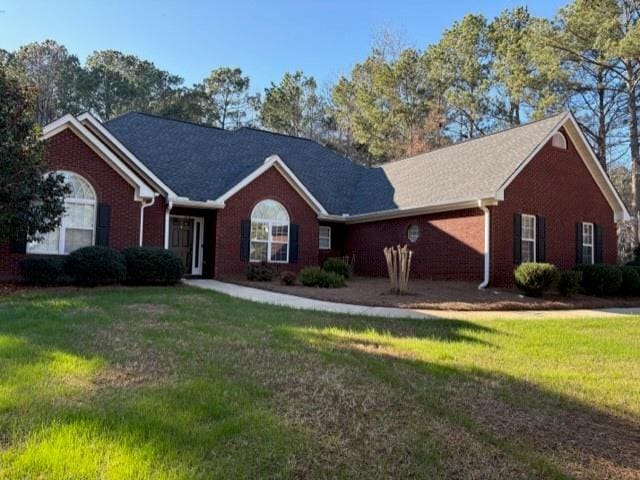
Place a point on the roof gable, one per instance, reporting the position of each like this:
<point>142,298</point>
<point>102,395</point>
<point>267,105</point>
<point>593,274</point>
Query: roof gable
<point>141,189</point>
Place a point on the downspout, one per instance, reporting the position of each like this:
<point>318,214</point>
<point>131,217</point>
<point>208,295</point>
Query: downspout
<point>487,246</point>
<point>145,205</point>
<point>166,225</point>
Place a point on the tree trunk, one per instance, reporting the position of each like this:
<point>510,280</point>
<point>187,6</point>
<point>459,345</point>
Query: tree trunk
<point>602,121</point>
<point>633,144</point>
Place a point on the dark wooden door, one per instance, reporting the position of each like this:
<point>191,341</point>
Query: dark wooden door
<point>181,240</point>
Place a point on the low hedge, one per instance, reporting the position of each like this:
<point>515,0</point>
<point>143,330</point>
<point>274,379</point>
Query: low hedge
<point>152,266</point>
<point>259,272</point>
<point>92,266</point>
<point>317,277</point>
<point>336,265</point>
<point>287,278</point>
<point>535,278</point>
<point>600,279</point>
<point>630,280</point>
<point>569,282</point>
<point>43,271</point>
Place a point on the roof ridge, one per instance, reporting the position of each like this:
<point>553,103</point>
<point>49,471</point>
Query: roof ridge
<point>469,140</point>
<point>262,130</point>
<point>204,125</point>
<point>171,119</point>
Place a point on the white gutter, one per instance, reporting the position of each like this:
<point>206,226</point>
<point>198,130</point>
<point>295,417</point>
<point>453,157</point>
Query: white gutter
<point>166,224</point>
<point>185,202</point>
<point>142,207</point>
<point>487,245</point>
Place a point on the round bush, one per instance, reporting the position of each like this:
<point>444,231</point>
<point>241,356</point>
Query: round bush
<point>316,277</point>
<point>336,265</point>
<point>535,278</point>
<point>630,280</point>
<point>259,272</point>
<point>91,266</point>
<point>288,278</point>
<point>569,282</point>
<point>42,271</point>
<point>600,279</point>
<point>152,266</point>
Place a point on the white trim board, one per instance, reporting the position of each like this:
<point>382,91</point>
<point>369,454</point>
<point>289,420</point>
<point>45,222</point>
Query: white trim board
<point>589,158</point>
<point>142,190</point>
<point>89,120</point>
<point>276,161</point>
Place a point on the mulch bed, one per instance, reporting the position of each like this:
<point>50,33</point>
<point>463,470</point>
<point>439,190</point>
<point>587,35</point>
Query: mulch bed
<point>438,295</point>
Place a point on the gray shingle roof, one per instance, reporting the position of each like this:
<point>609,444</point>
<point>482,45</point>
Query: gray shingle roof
<point>470,170</point>
<point>202,163</point>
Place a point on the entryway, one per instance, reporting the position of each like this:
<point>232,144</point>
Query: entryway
<point>185,239</point>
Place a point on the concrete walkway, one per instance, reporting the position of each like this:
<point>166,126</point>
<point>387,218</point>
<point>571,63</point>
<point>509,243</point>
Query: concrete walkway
<point>302,303</point>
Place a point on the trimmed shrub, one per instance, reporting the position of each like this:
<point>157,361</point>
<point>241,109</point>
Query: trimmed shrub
<point>630,280</point>
<point>316,277</point>
<point>336,265</point>
<point>152,266</point>
<point>569,282</point>
<point>535,278</point>
<point>287,278</point>
<point>259,272</point>
<point>91,266</point>
<point>42,271</point>
<point>600,279</point>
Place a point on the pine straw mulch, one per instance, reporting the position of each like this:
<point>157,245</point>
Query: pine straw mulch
<point>438,295</point>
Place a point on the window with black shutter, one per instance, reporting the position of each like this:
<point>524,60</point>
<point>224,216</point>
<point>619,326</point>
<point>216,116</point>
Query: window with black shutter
<point>517,239</point>
<point>293,243</point>
<point>540,239</point>
<point>103,224</point>
<point>245,235</point>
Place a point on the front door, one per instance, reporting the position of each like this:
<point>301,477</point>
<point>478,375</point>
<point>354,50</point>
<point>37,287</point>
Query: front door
<point>186,241</point>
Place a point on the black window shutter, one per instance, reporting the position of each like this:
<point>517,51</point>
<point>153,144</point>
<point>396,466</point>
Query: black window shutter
<point>103,224</point>
<point>597,232</point>
<point>245,234</point>
<point>517,238</point>
<point>18,244</point>
<point>578,243</point>
<point>293,243</point>
<point>540,239</point>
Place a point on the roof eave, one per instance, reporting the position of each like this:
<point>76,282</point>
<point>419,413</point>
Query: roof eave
<point>412,211</point>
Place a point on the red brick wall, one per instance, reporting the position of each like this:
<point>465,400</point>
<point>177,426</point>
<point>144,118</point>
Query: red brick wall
<point>153,231</point>
<point>557,185</point>
<point>65,151</point>
<point>450,245</point>
<point>270,185</point>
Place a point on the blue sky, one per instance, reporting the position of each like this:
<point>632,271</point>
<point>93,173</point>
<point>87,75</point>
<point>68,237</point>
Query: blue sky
<point>264,38</point>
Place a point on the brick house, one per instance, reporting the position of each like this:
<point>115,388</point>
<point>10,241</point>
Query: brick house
<point>222,199</point>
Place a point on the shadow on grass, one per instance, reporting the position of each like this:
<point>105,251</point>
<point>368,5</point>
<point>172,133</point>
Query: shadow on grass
<point>203,422</point>
<point>555,434</point>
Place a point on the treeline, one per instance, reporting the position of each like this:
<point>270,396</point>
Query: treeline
<point>482,75</point>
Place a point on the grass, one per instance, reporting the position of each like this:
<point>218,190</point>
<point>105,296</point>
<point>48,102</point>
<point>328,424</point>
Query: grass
<point>183,383</point>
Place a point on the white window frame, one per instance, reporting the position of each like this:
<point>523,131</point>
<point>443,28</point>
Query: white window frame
<point>559,141</point>
<point>269,241</point>
<point>326,236</point>
<point>533,239</point>
<point>62,228</point>
<point>592,244</point>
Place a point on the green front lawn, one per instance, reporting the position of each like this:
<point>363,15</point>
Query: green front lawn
<point>184,383</point>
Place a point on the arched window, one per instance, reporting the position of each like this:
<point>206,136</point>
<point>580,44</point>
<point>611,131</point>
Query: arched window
<point>77,228</point>
<point>269,233</point>
<point>559,141</point>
